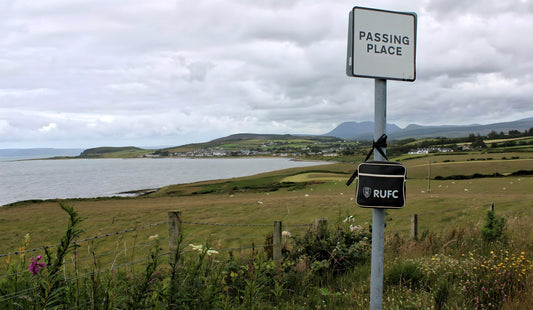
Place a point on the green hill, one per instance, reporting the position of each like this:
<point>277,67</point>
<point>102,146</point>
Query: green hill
<point>113,152</point>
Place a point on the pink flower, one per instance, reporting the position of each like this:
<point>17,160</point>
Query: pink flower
<point>34,265</point>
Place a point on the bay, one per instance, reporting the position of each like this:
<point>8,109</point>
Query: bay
<point>88,178</point>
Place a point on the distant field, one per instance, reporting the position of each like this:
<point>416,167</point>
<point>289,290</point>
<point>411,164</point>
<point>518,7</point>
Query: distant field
<point>306,177</point>
<point>314,192</point>
<point>419,168</point>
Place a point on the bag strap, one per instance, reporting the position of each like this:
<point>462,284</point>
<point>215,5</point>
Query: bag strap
<point>379,146</point>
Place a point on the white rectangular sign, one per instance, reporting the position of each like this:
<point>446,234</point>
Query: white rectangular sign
<point>382,44</point>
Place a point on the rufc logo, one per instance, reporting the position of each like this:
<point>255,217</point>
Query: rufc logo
<point>367,191</point>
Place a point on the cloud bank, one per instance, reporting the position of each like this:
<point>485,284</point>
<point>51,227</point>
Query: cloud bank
<point>85,74</point>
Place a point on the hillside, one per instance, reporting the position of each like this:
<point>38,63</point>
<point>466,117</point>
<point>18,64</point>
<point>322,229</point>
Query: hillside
<point>108,151</point>
<point>251,142</point>
<point>336,142</point>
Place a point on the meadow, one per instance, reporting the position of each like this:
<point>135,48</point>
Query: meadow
<point>454,263</point>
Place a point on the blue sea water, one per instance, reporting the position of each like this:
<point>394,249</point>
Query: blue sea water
<point>84,178</point>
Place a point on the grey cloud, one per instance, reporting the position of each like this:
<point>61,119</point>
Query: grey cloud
<point>187,71</point>
<point>485,8</point>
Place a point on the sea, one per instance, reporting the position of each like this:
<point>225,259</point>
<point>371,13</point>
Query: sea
<point>27,179</point>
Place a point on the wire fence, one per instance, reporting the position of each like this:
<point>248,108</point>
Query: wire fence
<point>221,242</point>
<point>126,256</point>
<point>85,240</point>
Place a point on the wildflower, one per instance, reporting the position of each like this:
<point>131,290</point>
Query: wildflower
<point>34,265</point>
<point>354,227</point>
<point>211,252</point>
<point>198,248</point>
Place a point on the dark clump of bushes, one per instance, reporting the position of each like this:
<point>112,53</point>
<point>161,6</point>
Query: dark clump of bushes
<point>469,177</point>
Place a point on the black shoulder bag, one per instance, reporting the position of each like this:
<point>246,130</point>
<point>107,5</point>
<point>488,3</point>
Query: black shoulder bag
<point>380,184</point>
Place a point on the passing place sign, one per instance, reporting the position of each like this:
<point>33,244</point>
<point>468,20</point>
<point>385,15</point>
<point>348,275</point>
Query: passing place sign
<point>381,44</point>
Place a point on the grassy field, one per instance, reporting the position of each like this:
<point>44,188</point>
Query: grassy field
<point>294,196</point>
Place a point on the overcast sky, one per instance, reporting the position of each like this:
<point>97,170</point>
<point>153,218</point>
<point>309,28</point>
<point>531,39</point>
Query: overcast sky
<point>149,73</point>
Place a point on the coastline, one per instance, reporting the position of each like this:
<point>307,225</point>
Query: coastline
<point>119,178</point>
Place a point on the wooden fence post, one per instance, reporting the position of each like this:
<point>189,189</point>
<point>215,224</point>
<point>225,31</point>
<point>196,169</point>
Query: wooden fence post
<point>276,241</point>
<point>174,233</point>
<point>321,225</point>
<point>414,226</point>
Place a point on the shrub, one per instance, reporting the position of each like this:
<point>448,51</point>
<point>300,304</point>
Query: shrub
<point>334,251</point>
<point>493,229</point>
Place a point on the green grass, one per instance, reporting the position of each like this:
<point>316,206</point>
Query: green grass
<point>449,216</point>
<point>311,192</point>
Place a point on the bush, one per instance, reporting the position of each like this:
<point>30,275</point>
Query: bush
<point>493,229</point>
<point>334,251</point>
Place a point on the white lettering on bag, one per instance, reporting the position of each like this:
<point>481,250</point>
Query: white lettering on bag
<point>385,193</point>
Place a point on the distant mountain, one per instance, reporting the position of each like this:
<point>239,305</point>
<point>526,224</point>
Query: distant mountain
<point>417,131</point>
<point>364,130</point>
<point>352,130</point>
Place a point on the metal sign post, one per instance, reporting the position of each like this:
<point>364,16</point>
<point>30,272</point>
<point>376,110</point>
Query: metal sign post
<point>378,215</point>
<point>381,45</point>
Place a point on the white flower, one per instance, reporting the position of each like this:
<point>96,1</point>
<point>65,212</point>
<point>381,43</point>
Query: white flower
<point>286,234</point>
<point>198,248</point>
<point>349,219</point>
<point>354,227</point>
<point>211,252</point>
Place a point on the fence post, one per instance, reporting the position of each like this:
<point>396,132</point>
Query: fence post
<point>276,241</point>
<point>174,233</point>
<point>414,226</point>
<point>491,207</point>
<point>321,225</point>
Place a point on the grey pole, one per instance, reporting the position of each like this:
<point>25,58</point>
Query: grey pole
<point>378,215</point>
